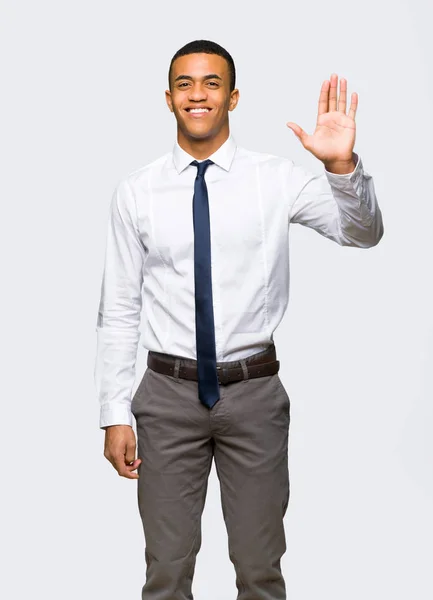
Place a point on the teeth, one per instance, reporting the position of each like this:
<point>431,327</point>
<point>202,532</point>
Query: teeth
<point>196,110</point>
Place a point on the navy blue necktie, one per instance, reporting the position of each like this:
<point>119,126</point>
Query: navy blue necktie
<point>208,386</point>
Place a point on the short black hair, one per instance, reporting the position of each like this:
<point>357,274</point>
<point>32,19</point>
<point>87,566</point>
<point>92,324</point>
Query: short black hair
<point>206,47</point>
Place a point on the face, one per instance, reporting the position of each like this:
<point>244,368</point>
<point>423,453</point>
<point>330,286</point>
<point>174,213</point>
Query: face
<point>201,81</point>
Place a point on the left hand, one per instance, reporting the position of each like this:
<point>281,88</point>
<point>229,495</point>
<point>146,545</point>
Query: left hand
<point>334,137</point>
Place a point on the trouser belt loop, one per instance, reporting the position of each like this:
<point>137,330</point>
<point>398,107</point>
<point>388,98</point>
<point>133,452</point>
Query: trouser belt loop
<point>244,368</point>
<point>176,369</point>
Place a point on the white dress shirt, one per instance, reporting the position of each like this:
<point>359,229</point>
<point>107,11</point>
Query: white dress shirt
<point>149,259</point>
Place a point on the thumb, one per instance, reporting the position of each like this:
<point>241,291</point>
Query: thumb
<point>298,131</point>
<point>130,450</point>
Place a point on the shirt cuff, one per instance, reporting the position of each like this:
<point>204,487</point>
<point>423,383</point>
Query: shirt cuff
<point>115,414</point>
<point>345,180</point>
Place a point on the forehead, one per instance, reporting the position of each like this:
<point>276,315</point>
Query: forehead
<point>200,64</point>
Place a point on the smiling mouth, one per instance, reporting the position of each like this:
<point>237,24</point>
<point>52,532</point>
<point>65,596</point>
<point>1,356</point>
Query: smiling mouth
<point>198,112</point>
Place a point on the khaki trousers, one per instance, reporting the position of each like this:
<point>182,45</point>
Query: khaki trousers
<point>246,433</point>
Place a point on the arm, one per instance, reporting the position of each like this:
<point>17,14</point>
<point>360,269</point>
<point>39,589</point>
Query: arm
<point>119,311</point>
<point>341,207</point>
<point>340,204</point>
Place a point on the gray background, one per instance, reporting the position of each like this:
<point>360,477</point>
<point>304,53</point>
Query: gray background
<point>82,106</point>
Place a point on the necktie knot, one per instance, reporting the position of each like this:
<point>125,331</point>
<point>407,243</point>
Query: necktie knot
<point>202,166</point>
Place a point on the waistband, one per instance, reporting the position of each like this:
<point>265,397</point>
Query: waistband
<point>260,364</point>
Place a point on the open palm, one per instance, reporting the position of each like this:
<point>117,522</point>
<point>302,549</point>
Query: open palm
<point>334,137</point>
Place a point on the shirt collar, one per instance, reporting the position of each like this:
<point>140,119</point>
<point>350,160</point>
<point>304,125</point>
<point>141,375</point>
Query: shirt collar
<point>223,157</point>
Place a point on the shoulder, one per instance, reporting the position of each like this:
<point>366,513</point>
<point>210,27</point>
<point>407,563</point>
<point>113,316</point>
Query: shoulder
<point>143,175</point>
<point>265,159</point>
<point>137,182</point>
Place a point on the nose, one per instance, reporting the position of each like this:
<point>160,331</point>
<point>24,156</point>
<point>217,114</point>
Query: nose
<point>197,93</point>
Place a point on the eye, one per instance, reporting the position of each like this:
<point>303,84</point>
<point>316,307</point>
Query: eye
<point>213,82</point>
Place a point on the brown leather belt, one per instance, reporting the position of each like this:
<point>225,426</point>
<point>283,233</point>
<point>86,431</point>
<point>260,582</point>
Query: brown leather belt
<point>260,364</point>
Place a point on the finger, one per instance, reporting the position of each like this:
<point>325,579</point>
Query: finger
<point>130,468</point>
<point>133,466</point>
<point>333,92</point>
<point>298,131</point>
<point>323,98</point>
<point>125,470</point>
<point>119,464</point>
<point>128,474</point>
<point>130,451</point>
<point>343,96</point>
<point>353,105</point>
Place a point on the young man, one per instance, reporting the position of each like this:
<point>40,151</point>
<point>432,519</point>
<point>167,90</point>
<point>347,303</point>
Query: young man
<point>200,239</point>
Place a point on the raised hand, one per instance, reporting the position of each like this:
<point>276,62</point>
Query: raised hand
<point>334,137</point>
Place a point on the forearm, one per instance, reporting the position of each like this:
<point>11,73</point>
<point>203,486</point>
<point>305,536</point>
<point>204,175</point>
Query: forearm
<point>340,206</point>
<point>360,218</point>
<point>115,374</point>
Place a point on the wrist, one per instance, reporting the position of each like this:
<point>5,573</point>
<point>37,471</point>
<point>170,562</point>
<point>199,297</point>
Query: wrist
<point>340,167</point>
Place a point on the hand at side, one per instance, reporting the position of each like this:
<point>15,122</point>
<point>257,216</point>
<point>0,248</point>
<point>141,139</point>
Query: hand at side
<point>119,449</point>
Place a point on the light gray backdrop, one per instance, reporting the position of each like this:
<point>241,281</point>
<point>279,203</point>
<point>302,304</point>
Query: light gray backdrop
<point>82,106</point>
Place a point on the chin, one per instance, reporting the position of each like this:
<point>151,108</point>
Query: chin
<point>197,134</point>
<point>202,136</point>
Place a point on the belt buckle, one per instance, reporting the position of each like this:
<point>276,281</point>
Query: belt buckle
<point>223,375</point>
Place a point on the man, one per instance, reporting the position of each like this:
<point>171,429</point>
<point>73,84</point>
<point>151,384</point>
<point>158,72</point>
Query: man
<point>199,239</point>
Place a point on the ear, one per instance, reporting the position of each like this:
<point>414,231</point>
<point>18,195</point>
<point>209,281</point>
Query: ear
<point>168,100</point>
<point>234,99</point>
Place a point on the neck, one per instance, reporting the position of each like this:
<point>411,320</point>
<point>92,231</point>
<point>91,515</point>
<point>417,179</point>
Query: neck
<point>202,148</point>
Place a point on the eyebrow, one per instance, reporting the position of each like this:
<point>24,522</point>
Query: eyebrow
<point>210,76</point>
